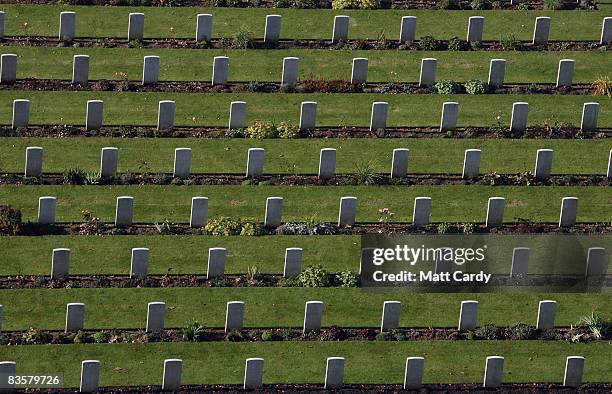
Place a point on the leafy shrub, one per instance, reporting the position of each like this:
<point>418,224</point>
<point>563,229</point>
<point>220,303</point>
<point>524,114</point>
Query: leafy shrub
<point>136,44</point>
<point>287,130</point>
<point>297,228</point>
<point>509,42</point>
<point>478,4</point>
<point>523,6</point>
<point>261,129</point>
<point>74,176</point>
<point>235,336</point>
<point>243,39</point>
<point>553,4</point>
<point>365,173</point>
<point>595,324</point>
<point>447,87</point>
<point>345,4</point>
<point>10,219</point>
<point>101,337</point>
<point>456,44</point>
<point>35,337</point>
<point>587,5</point>
<point>268,335</point>
<point>445,4</point>
<point>289,282</point>
<point>314,277</point>
<point>497,5</point>
<point>603,86</point>
<point>369,4</point>
<point>93,178</point>
<point>468,228</point>
<point>475,86</point>
<point>383,336</point>
<point>521,331</point>
<point>488,331</point>
<point>428,43</point>
<point>164,227</point>
<point>347,278</point>
<point>193,331</point>
<point>81,337</point>
<point>224,226</point>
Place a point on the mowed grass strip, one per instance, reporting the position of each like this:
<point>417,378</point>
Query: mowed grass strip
<point>154,203</point>
<point>333,109</point>
<point>427,156</point>
<point>282,307</point>
<point>189,254</point>
<point>304,362</point>
<point>24,20</point>
<point>266,65</point>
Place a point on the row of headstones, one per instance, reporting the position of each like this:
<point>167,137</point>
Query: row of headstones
<point>334,373</point>
<point>289,75</point>
<point>313,315</point>
<point>308,115</point>
<point>136,21</point>
<point>109,159</point>
<point>124,212</point>
<point>139,263</point>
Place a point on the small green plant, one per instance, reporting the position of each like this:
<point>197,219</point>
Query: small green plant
<point>478,4</point>
<point>93,178</point>
<point>289,282</point>
<point>10,220</point>
<point>268,336</point>
<point>488,331</point>
<point>252,273</point>
<point>384,218</point>
<point>602,86</point>
<point>444,228</point>
<point>251,229</point>
<point>235,336</point>
<point>313,276</point>
<point>345,4</point>
<point>521,331</point>
<point>243,39</point>
<point>445,4</point>
<point>287,130</point>
<point>261,129</point>
<point>553,4</point>
<point>101,337</point>
<point>456,44</point>
<point>475,86</point>
<point>468,228</point>
<point>383,336</point>
<point>224,226</point>
<point>136,44</point>
<point>509,42</point>
<point>523,6</point>
<point>428,43</point>
<point>447,87</point>
<point>164,227</point>
<point>193,331</point>
<point>35,336</point>
<point>347,278</point>
<point>595,324</point>
<point>364,173</point>
<point>74,176</point>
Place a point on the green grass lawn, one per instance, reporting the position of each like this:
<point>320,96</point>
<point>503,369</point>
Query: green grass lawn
<point>450,203</point>
<point>188,254</point>
<point>282,307</point>
<point>428,156</point>
<point>365,362</point>
<point>266,65</point>
<point>333,109</point>
<point>44,20</point>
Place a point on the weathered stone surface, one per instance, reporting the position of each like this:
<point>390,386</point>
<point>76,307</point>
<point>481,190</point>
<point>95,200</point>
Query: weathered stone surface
<point>33,161</point>
<point>150,70</point>
<point>165,115</point>
<point>475,28</point>
<point>421,211</point>
<point>156,314</point>
<point>547,311</point>
<point>216,263</point>
<point>75,316</point>
<point>274,212</point>
<point>308,115</point>
<point>341,27</point>
<point>378,120</point>
<point>199,212</point>
<point>94,115</point>
<point>494,372</point>
<point>428,72</point>
<point>359,71</point>
<point>408,29</point>
<point>272,29</point>
<point>520,261</point>
<point>136,26</point>
<point>413,375</point>
<point>139,264</point>
<point>590,112</point>
<point>574,367</point>
<point>495,211</point>
<point>471,164</point>
<point>255,162</point>
<point>8,68</point>
<point>293,262</point>
<point>67,26</point>
<point>290,71</point>
<point>220,70</point>
<point>90,376</point>
<point>541,30</point>
<point>327,163</point>
<point>237,117</point>
<point>172,374</point>
<point>182,162</point>
<point>391,315</point>
<point>21,113</point>
<point>80,69</point>
<point>334,372</point>
<point>204,27</point>
<point>60,263</point>
<point>253,373</point>
<point>399,163</point>
<point>497,71</point>
<point>313,315</point>
<point>109,158</point>
<point>468,316</point>
<point>569,211</point>
<point>450,111</point>
<point>348,211</point>
<point>46,210</point>
<point>234,316</point>
<point>124,212</point>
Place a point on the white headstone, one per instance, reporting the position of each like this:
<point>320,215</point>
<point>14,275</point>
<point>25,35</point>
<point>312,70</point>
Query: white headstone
<point>21,113</point>
<point>139,264</point>
<point>46,210</point>
<point>334,372</point>
<point>182,162</point>
<point>150,70</point>
<point>468,316</point>
<point>450,110</point>
<point>520,261</point>
<point>94,115</point>
<point>172,374</point>
<point>569,210</point>
<point>274,212</point>
<point>204,27</point>
<point>590,112</point>
<point>428,72</point>
<point>75,316</point>
<point>494,372</point>
<point>495,211</point>
<point>348,211</point>
<point>541,30</point>
<point>234,316</point>
<point>90,376</point>
<point>421,211</point>
<point>471,164</point>
<point>220,70</point>
<point>80,69</point>
<point>67,26</point>
<point>327,163</point>
<point>60,263</point>
<point>8,68</point>
<point>497,70</point>
<point>165,115</point>
<point>33,161</point>
<point>124,212</point>
<point>156,313</point>
<point>313,315</point>
<point>199,212</point>
<point>574,367</point>
<point>108,161</point>
<point>547,310</point>
<point>272,29</point>
<point>237,117</point>
<point>518,122</point>
<point>216,262</point>
<point>475,28</point>
<point>308,115</point>
<point>413,375</point>
<point>253,373</point>
<point>378,119</point>
<point>341,27</point>
<point>543,167</point>
<point>408,29</point>
<point>293,262</point>
<point>136,26</point>
<point>565,72</point>
<point>255,162</point>
<point>391,315</point>
<point>399,163</point>
<point>359,72</point>
<point>290,71</point>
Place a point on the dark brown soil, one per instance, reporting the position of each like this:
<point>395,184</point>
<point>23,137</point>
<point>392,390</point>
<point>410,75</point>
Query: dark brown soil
<point>241,280</point>
<point>544,131</point>
<point>385,4</point>
<point>227,43</point>
<point>521,227</point>
<point>333,333</point>
<point>519,388</point>
<point>322,86</point>
<point>493,179</point>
